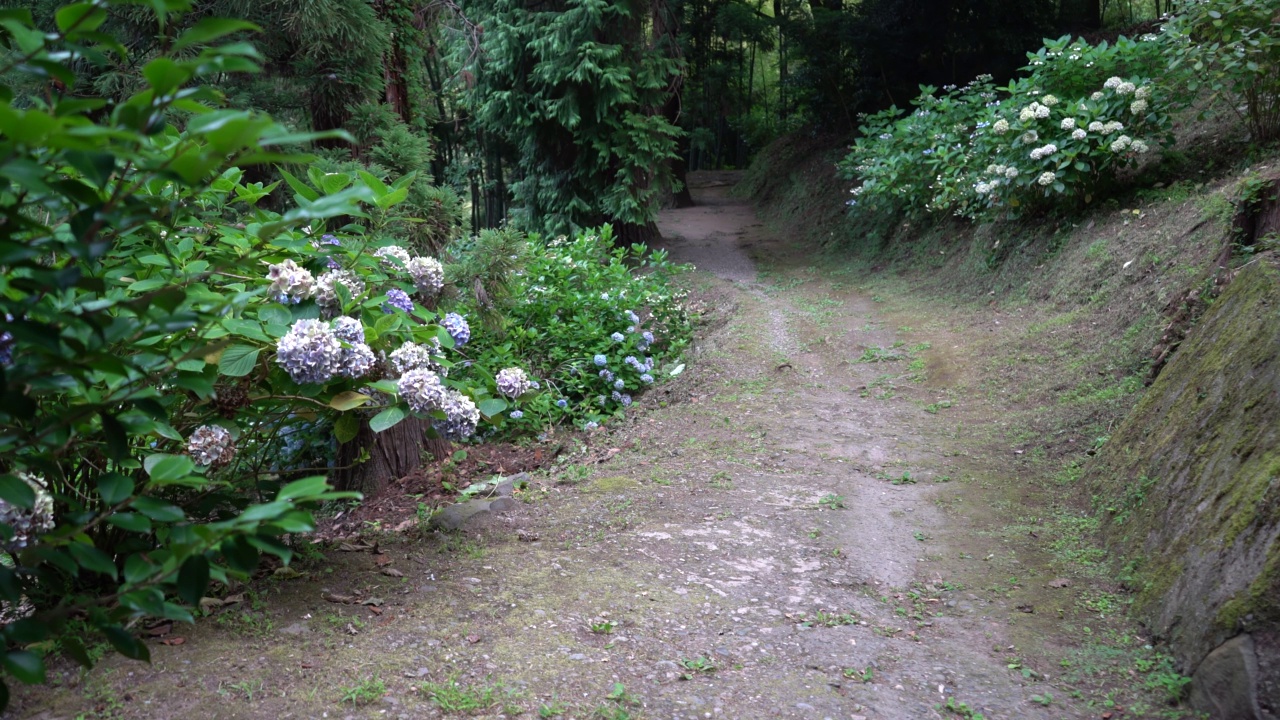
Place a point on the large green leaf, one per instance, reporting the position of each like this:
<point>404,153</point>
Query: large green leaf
<point>238,360</point>
<point>387,419</point>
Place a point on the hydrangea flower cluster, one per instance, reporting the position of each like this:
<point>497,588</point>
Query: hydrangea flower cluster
<point>1044,152</point>
<point>310,352</point>
<point>6,344</point>
<point>393,257</point>
<point>427,274</point>
<point>422,390</point>
<point>211,446</point>
<point>397,299</point>
<point>461,417</point>
<point>326,287</point>
<point>600,360</point>
<point>26,524</point>
<point>513,382</point>
<point>457,327</point>
<point>290,284</point>
<point>412,356</point>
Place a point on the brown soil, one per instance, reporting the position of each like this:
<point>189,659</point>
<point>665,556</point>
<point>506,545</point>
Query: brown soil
<point>798,526</point>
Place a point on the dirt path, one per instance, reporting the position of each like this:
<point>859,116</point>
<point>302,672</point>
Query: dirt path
<point>775,513</point>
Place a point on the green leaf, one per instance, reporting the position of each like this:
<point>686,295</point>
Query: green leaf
<point>346,428</point>
<point>80,17</point>
<point>238,360</point>
<point>126,644</point>
<point>132,522</point>
<point>24,665</point>
<point>210,29</point>
<point>159,510</point>
<point>387,419</point>
<point>115,488</point>
<point>306,487</point>
<point>492,406</point>
<point>91,558</point>
<point>168,468</point>
<point>348,400</point>
<point>193,579</point>
<point>17,492</point>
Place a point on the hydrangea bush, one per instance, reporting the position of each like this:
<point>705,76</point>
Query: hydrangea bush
<point>1057,135</point>
<point>167,340</point>
<point>597,324</point>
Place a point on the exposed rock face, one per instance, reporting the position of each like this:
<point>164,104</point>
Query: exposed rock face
<point>1191,482</point>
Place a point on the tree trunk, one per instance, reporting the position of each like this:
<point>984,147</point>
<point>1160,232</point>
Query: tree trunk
<point>392,454</point>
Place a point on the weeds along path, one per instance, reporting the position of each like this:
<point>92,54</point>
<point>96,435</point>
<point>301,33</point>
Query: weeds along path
<point>770,536</point>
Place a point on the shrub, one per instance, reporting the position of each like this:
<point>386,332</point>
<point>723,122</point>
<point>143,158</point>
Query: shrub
<point>166,340</point>
<point>599,323</point>
<point>1055,136</point>
<point>1232,48</point>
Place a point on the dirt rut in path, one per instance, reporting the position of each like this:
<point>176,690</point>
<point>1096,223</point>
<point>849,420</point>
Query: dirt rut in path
<point>768,537</point>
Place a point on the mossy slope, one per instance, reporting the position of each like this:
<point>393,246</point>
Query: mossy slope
<point>1192,478</point>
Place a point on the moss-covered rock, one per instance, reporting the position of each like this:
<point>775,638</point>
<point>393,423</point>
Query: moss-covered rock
<point>1190,482</point>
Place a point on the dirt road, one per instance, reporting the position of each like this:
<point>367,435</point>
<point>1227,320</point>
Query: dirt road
<point>774,535</point>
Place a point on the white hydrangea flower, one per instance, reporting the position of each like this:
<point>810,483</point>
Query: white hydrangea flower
<point>982,188</point>
<point>289,282</point>
<point>422,390</point>
<point>1096,96</point>
<point>1068,123</point>
<point>1143,92</point>
<point>1042,112</point>
<point>211,445</point>
<point>1011,172</point>
<point>1046,179</point>
<point>27,524</point>
<point>1028,113</point>
<point>1112,83</point>
<point>393,257</point>
<point>1112,127</point>
<point>1029,137</point>
<point>991,169</point>
<point>1001,126</point>
<point>1120,144</point>
<point>1096,126</point>
<point>428,274</point>
<point>1078,134</point>
<point>1125,88</point>
<point>326,292</point>
<point>1049,100</point>
<point>1139,147</point>
<point>1137,107</point>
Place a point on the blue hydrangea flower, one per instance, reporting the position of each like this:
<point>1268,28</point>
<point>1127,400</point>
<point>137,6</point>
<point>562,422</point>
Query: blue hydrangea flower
<point>617,396</point>
<point>646,378</point>
<point>630,360</point>
<point>617,337</point>
<point>461,417</point>
<point>535,385</point>
<point>512,382</point>
<point>562,403</point>
<point>648,337</point>
<point>626,400</point>
<point>600,360</point>
<point>592,425</point>
<point>6,346</point>
<point>310,352</point>
<point>516,414</point>
<point>397,299</point>
<point>631,328</point>
<point>618,385</point>
<point>634,318</point>
<point>457,327</point>
<point>328,239</point>
<point>608,376</point>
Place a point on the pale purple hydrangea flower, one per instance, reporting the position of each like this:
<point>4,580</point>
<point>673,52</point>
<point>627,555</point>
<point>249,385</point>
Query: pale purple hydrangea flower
<point>348,329</point>
<point>516,414</point>
<point>618,384</point>
<point>512,382</point>
<point>309,352</point>
<point>646,378</point>
<point>600,360</point>
<point>357,361</point>
<point>289,282</point>
<point>422,390</point>
<point>27,524</point>
<point>412,356</point>
<point>211,446</point>
<point>326,287</point>
<point>397,299</point>
<point>617,337</point>
<point>461,417</point>
<point>427,273</point>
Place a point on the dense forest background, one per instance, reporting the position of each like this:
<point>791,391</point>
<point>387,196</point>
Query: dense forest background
<point>571,113</point>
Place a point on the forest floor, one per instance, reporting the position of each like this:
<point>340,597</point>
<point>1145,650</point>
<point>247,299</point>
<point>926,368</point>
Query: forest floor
<point>814,520</point>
